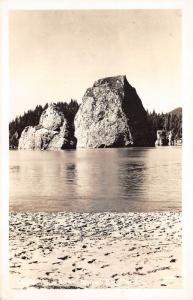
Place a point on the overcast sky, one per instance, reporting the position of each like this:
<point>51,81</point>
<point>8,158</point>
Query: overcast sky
<point>57,55</point>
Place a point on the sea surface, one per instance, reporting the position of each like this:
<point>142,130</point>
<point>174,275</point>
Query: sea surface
<point>96,180</point>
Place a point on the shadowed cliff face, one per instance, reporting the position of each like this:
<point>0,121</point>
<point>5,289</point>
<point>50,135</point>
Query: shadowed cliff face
<point>136,116</point>
<point>111,115</point>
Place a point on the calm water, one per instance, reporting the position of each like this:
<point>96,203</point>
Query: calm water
<point>95,180</point>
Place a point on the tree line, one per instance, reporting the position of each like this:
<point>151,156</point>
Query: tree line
<point>156,121</point>
<point>168,121</point>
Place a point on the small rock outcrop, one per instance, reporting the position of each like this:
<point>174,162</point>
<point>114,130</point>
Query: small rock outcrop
<point>111,115</point>
<point>161,138</point>
<point>164,138</point>
<point>52,133</point>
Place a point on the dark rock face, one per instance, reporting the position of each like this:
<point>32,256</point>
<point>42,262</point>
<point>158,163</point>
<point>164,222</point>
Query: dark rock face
<point>52,133</point>
<point>111,115</point>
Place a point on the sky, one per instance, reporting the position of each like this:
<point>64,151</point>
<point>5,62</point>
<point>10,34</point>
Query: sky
<point>57,55</point>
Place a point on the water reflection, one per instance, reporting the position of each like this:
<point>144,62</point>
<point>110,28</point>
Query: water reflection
<point>97,173</point>
<point>137,179</point>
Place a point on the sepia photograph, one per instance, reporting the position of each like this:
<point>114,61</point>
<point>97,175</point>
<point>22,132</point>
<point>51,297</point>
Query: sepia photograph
<point>95,149</point>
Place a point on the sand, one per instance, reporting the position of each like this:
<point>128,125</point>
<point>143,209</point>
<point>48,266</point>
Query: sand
<point>99,250</point>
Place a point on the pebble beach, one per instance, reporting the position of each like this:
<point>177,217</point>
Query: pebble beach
<point>95,250</point>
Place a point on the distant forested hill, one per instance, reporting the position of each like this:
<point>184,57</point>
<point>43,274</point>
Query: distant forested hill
<point>177,111</point>
<point>31,118</point>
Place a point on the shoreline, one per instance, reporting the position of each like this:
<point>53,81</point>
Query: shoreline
<point>95,250</point>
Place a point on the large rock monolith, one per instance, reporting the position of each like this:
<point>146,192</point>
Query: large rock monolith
<point>111,115</point>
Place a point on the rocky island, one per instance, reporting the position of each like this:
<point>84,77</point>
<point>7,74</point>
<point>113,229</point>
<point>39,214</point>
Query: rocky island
<point>111,115</point>
<point>52,133</point>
